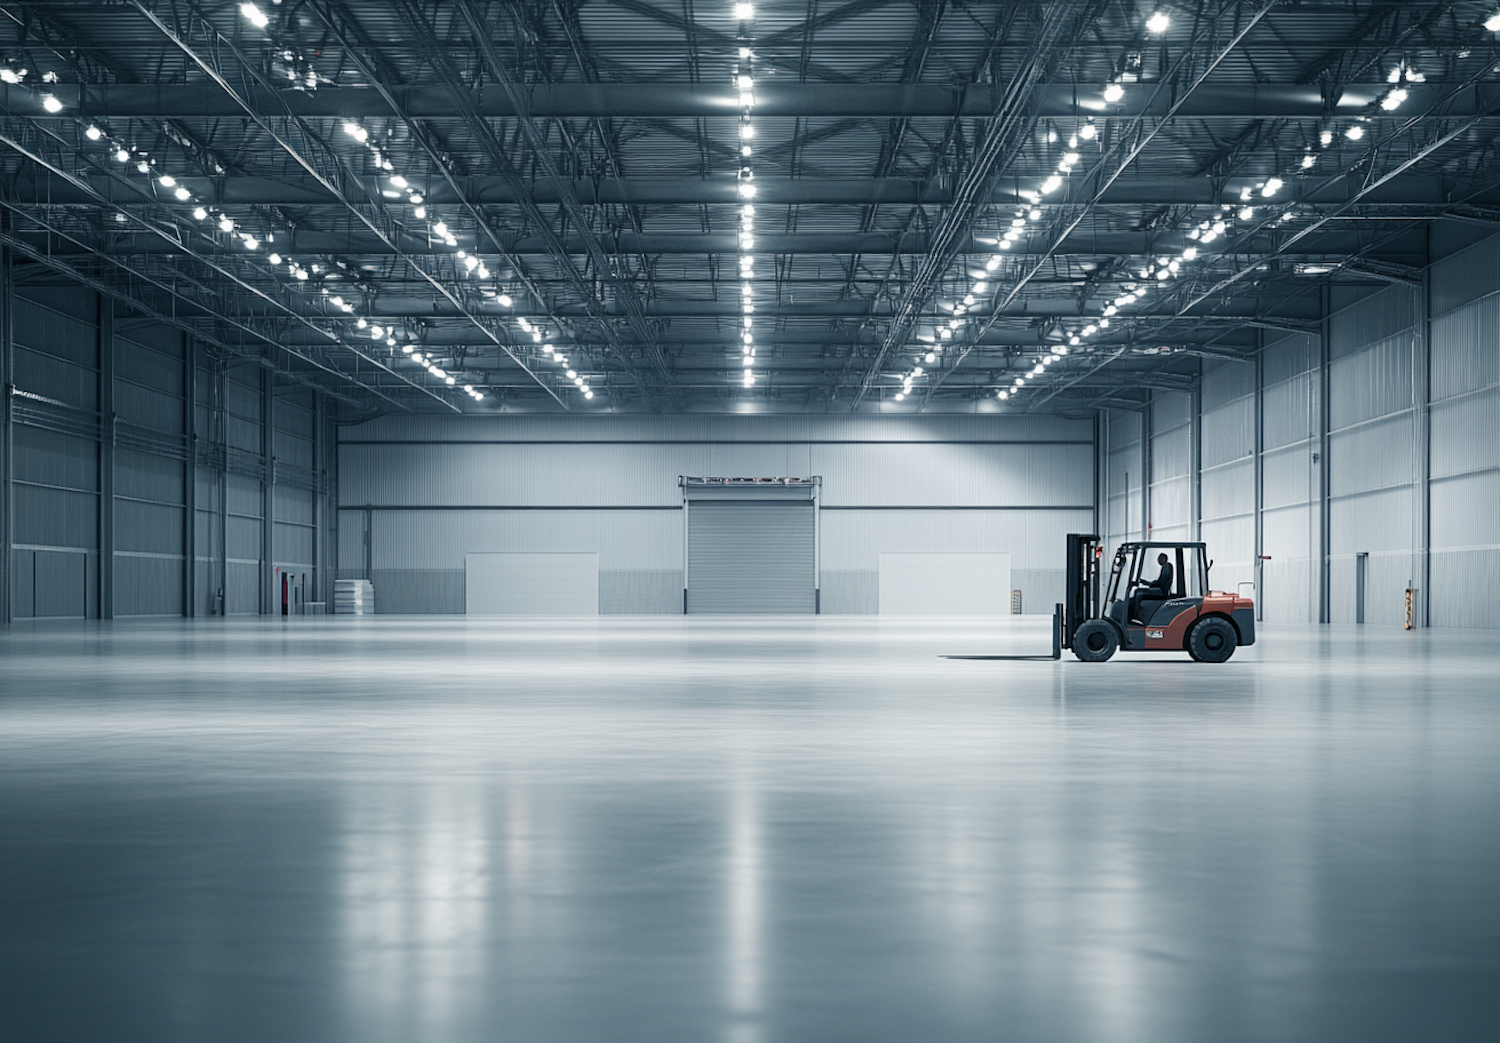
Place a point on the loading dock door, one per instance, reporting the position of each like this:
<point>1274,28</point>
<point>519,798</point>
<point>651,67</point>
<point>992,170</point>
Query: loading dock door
<point>945,584</point>
<point>751,557</point>
<point>563,584</point>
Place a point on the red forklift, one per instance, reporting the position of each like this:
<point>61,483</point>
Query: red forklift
<point>1174,611</point>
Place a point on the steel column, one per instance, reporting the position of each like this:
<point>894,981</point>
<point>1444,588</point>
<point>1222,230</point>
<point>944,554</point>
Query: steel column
<point>106,343</point>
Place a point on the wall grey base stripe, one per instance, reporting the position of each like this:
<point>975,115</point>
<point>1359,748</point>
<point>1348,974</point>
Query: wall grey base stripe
<point>749,557</point>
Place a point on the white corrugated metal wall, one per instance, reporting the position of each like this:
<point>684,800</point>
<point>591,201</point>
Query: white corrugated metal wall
<point>1465,437</point>
<point>1373,445</point>
<point>1369,457</point>
<point>428,490</point>
<point>102,443</point>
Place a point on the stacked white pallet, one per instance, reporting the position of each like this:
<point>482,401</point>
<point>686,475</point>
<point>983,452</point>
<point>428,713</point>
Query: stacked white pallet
<point>353,597</point>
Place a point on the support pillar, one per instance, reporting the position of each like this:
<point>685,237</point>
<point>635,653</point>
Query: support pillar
<point>106,308</point>
<point>268,598</point>
<point>1421,386</point>
<point>189,477</point>
<point>1260,476</point>
<point>7,430</point>
<point>1321,467</point>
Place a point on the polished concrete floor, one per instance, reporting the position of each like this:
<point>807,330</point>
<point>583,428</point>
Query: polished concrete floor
<point>346,830</point>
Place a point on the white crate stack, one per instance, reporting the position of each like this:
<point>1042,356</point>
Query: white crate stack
<point>353,597</point>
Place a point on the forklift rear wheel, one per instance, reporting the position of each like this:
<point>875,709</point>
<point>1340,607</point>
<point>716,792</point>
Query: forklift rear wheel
<point>1095,641</point>
<point>1212,640</point>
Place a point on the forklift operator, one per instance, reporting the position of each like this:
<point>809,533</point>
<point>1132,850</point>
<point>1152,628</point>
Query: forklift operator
<point>1154,592</point>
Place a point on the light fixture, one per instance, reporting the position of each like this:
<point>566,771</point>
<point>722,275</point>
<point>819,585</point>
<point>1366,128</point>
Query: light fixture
<point>50,103</point>
<point>1492,23</point>
<point>93,133</point>
<point>744,12</point>
<point>1087,132</point>
<point>1114,92</point>
<point>254,15</point>
<point>182,194</point>
<point>1273,185</point>
<point>121,156</point>
<point>276,259</point>
<point>1355,132</point>
<point>1158,22</point>
<point>226,224</point>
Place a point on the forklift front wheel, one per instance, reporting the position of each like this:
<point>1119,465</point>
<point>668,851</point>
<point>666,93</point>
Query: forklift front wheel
<point>1095,641</point>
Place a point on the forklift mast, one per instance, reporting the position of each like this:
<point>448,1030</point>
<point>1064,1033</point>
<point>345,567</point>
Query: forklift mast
<point>1082,591</point>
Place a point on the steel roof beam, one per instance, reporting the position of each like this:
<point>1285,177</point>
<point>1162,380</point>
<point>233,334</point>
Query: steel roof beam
<point>688,100</point>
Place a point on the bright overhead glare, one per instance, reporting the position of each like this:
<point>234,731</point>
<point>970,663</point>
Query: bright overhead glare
<point>182,194</point>
<point>1273,185</point>
<point>94,133</point>
<point>121,156</point>
<point>50,103</point>
<point>1325,137</point>
<point>1087,132</point>
<point>276,259</point>
<point>201,214</point>
<point>1158,22</point>
<point>254,15</point>
<point>744,11</point>
<point>226,224</point>
<point>1492,23</point>
<point>1355,132</point>
<point>167,180</point>
<point>745,82</point>
<point>504,299</point>
<point>398,181</point>
<point>1308,161</point>
<point>1114,92</point>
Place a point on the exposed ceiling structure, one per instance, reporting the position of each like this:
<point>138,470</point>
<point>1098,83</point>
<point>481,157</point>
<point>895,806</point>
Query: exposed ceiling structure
<point>954,205</point>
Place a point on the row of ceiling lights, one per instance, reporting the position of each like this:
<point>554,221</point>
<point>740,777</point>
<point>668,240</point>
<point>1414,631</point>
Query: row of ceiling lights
<point>744,85</point>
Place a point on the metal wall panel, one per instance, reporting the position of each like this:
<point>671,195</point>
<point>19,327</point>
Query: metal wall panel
<point>243,496</point>
<point>294,544</point>
<point>55,517</point>
<point>147,585</point>
<point>1465,276</point>
<point>1171,506</point>
<point>426,540</point>
<point>1229,490</point>
<point>1466,349</point>
<point>1290,477</point>
<point>1228,432</point>
<point>292,449</point>
<point>294,505</point>
<point>147,367</point>
<point>1231,545</point>
<point>1291,411</point>
<point>146,476</point>
<point>709,429</point>
<point>242,400</point>
<point>243,538</point>
<point>151,528</point>
<point>1373,317</point>
<point>1225,381</point>
<point>147,407</point>
<point>1171,454</point>
<point>1466,434</point>
<point>1466,513</point>
<point>67,335</point>
<point>1289,355</point>
<point>1376,455</point>
<point>1170,409</point>
<point>646,475</point>
<point>55,378</point>
<point>51,458</point>
<point>1374,382</point>
<point>1373,521</point>
<point>1463,589</point>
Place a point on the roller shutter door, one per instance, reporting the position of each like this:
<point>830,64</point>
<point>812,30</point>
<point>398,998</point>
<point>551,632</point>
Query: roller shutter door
<point>750,557</point>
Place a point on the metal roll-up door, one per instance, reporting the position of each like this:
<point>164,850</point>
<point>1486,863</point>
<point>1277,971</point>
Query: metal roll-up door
<point>751,557</point>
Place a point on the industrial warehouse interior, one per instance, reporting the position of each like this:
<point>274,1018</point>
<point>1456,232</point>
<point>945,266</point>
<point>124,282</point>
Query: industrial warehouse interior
<point>759,522</point>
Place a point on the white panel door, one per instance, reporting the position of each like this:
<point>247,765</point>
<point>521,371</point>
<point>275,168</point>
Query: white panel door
<point>560,584</point>
<point>945,584</point>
